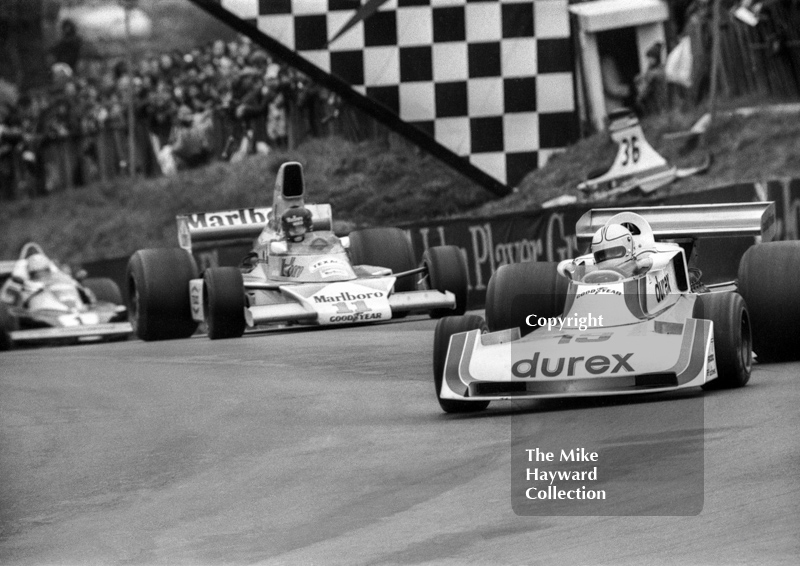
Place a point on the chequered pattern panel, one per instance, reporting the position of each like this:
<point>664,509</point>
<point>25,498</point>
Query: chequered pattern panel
<point>491,80</point>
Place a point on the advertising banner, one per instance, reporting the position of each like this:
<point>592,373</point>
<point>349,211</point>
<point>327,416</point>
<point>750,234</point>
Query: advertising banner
<point>490,242</point>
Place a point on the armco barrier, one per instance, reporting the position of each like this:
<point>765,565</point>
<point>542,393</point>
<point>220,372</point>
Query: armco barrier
<point>547,235</point>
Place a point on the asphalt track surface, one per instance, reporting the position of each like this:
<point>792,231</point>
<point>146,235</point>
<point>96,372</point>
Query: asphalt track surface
<point>328,447</point>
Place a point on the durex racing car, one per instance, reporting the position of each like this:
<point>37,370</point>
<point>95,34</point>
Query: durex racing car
<point>298,272</point>
<point>41,303</point>
<point>580,328</point>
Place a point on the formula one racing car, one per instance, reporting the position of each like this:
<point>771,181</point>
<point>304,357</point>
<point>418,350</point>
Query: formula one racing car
<point>298,272</point>
<point>631,316</point>
<point>41,303</point>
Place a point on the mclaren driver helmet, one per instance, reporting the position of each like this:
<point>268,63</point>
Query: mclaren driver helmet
<point>295,222</point>
<point>38,266</point>
<point>612,246</point>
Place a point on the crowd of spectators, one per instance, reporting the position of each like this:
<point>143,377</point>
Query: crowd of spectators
<point>178,97</point>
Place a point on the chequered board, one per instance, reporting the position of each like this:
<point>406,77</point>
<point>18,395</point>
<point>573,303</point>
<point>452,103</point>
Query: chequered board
<point>491,80</point>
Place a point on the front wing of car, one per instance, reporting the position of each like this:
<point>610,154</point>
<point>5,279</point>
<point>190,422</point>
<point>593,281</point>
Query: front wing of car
<point>344,302</point>
<point>500,366</point>
<point>89,333</point>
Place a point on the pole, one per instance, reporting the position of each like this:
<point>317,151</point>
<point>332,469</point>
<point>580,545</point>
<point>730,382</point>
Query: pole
<point>715,55</point>
<point>129,4</point>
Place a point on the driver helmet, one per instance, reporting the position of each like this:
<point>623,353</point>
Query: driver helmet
<point>38,267</point>
<point>612,246</point>
<point>295,222</point>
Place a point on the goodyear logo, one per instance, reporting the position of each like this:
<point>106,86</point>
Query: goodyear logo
<point>598,291</point>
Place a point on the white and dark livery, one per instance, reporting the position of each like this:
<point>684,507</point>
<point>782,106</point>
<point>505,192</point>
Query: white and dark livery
<point>637,166</point>
<point>59,308</point>
<point>312,278</point>
<point>662,329</point>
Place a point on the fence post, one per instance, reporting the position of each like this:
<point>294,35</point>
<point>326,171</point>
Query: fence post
<point>714,70</point>
<point>102,153</point>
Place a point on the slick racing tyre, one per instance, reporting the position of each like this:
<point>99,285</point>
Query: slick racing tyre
<point>447,271</point>
<point>733,344</point>
<point>384,247</point>
<point>159,304</point>
<point>518,290</point>
<point>8,323</point>
<point>223,302</point>
<point>768,276</point>
<point>104,289</point>
<point>445,328</point>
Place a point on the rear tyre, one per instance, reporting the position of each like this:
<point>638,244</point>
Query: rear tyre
<point>8,323</point>
<point>447,271</point>
<point>733,344</point>
<point>384,247</point>
<point>445,328</point>
<point>159,304</point>
<point>104,289</point>
<point>518,290</point>
<point>223,302</point>
<point>768,283</point>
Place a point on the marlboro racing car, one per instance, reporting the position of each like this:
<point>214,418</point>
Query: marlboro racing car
<point>648,324</point>
<point>40,303</point>
<point>298,272</point>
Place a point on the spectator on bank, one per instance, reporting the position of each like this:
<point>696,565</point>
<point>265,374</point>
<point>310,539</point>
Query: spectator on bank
<point>651,85</point>
<point>617,92</point>
<point>190,139</point>
<point>69,47</point>
<point>9,138</point>
<point>247,92</point>
<point>18,160</point>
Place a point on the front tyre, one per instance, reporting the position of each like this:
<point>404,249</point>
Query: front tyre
<point>104,289</point>
<point>223,302</point>
<point>518,290</point>
<point>733,344</point>
<point>768,283</point>
<point>447,271</point>
<point>384,247</point>
<point>159,304</point>
<point>445,328</point>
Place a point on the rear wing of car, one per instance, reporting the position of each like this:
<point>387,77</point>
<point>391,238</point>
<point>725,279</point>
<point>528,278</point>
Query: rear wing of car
<point>692,221</point>
<point>244,224</point>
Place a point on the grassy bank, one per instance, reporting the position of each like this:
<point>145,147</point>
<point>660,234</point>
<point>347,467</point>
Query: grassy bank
<point>761,146</point>
<point>372,184</point>
<point>366,183</point>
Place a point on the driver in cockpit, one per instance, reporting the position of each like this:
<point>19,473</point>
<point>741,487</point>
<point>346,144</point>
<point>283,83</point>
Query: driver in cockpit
<point>28,277</point>
<point>613,248</point>
<point>295,223</point>
<point>38,267</point>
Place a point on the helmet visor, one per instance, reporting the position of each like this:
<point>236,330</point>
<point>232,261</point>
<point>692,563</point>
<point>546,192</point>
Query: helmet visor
<point>610,253</point>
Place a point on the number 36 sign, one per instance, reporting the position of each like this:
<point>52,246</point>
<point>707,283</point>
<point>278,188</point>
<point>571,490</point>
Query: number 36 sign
<point>637,165</point>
